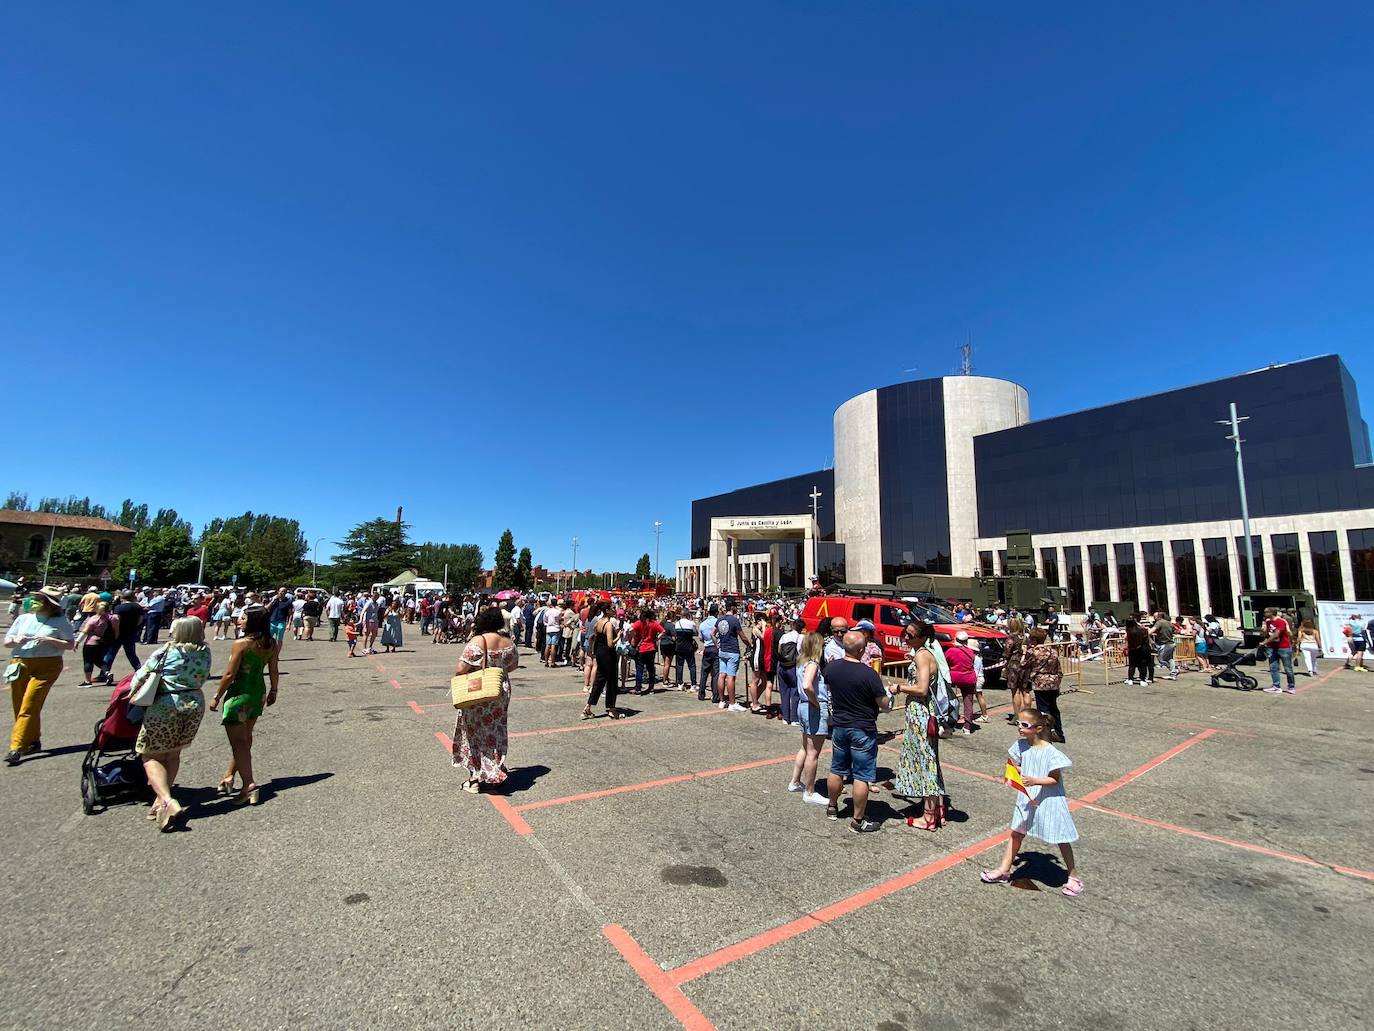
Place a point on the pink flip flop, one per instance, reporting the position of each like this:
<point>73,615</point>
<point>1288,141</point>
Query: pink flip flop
<point>994,877</point>
<point>1073,887</point>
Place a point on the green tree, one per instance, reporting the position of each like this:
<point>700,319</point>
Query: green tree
<point>464,563</point>
<point>275,543</point>
<point>223,556</point>
<point>167,517</point>
<point>524,571</point>
<point>643,568</point>
<point>503,568</point>
<point>72,556</point>
<point>72,505</point>
<point>162,556</point>
<point>373,552</point>
<point>17,501</point>
<point>135,517</point>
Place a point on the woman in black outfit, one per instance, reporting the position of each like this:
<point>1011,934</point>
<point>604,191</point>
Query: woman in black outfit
<point>1140,657</point>
<point>601,636</point>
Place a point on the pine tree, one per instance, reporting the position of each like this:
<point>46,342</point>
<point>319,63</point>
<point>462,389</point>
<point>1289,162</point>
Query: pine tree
<point>504,564</point>
<point>643,568</point>
<point>373,552</point>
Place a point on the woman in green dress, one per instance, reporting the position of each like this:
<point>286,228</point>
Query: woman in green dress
<point>244,694</point>
<point>918,764</point>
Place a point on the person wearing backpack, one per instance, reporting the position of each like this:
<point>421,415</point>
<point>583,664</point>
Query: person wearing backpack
<point>788,652</point>
<point>99,633</point>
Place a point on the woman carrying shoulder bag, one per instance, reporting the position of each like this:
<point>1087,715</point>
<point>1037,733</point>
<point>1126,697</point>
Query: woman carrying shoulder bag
<point>171,720</point>
<point>602,637</point>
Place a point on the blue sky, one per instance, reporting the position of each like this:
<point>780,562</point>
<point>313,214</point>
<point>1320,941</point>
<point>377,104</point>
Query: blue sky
<point>564,268</point>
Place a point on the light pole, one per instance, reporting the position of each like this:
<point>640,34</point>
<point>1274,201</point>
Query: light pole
<point>315,563</point>
<point>658,535</point>
<point>1234,422</point>
<point>815,532</point>
<point>574,568</point>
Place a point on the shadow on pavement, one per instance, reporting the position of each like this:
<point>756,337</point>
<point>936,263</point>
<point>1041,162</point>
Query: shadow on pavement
<point>522,778</point>
<point>1039,868</point>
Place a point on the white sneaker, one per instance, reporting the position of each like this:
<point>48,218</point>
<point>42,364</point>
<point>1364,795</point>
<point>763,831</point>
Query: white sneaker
<point>963,730</point>
<point>722,705</point>
<point>738,708</point>
<point>794,788</point>
<point>815,799</point>
<point>1146,683</point>
<point>1128,680</point>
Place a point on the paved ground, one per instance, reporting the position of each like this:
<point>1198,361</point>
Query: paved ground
<point>654,873</point>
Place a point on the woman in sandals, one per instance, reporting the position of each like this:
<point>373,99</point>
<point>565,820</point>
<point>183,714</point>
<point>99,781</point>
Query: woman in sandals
<point>244,694</point>
<point>918,764</point>
<point>480,736</point>
<point>171,721</point>
<point>601,641</point>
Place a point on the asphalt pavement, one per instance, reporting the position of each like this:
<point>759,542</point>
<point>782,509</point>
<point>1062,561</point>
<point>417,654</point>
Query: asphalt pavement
<point>655,872</point>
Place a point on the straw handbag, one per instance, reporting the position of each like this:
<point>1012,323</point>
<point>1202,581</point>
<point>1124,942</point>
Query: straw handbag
<point>481,685</point>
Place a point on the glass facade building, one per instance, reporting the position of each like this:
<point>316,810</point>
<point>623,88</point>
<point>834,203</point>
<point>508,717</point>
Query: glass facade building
<point>789,496</point>
<point>911,468</point>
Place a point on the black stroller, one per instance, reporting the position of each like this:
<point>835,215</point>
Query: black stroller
<point>111,772</point>
<point>1225,656</point>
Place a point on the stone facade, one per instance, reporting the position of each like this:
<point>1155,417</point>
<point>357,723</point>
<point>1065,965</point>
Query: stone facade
<point>24,539</point>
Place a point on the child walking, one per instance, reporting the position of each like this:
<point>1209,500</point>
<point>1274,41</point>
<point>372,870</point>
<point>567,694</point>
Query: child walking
<point>351,636</point>
<point>1045,814</point>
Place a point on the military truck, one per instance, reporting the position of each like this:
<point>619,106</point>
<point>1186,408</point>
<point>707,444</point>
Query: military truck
<point>1253,604</point>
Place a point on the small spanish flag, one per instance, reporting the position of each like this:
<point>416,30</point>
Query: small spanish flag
<point>1011,776</point>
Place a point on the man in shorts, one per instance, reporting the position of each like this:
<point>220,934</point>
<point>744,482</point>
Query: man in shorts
<point>311,614</point>
<point>726,634</point>
<point>279,615</point>
<point>857,695</point>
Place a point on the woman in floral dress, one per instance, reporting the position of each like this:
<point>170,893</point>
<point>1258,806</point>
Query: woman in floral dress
<point>479,738</point>
<point>918,764</point>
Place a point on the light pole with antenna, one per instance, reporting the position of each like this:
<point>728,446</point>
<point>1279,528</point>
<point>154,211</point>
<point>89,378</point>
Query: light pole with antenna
<point>315,563</point>
<point>658,535</point>
<point>574,568</point>
<point>1235,437</point>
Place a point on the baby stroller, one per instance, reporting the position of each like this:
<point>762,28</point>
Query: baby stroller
<point>1225,656</point>
<point>111,772</point>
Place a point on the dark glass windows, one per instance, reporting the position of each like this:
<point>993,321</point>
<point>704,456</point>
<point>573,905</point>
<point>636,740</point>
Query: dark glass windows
<point>1217,562</point>
<point>1327,582</point>
<point>1049,565</point>
<point>1128,589</point>
<point>1124,464</point>
<point>1002,561</point>
<point>1185,577</point>
<point>1257,546</point>
<point>1098,574</point>
<point>1287,562</point>
<point>1362,562</point>
<point>914,500</point>
<point>984,563</point>
<point>780,497</point>
<point>1156,586</point>
<point>1073,578</point>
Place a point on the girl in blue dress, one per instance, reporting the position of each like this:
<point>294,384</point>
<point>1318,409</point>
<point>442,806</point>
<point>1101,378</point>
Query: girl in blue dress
<point>1045,814</point>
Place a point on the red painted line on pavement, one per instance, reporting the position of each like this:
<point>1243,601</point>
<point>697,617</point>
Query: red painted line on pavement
<point>1203,726</point>
<point>1311,684</point>
<point>820,917</point>
<point>1232,842</point>
<point>645,785</point>
<point>444,740</point>
<point>516,821</point>
<point>657,980</point>
<point>1140,771</point>
<point>632,720</point>
<point>396,685</point>
<point>381,668</point>
<point>418,711</point>
<point>950,766</point>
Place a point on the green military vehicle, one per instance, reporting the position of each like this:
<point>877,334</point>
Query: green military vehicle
<point>1253,604</point>
<point>1022,593</point>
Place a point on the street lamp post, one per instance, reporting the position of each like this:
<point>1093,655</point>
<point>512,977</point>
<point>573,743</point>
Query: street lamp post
<point>1234,423</point>
<point>315,563</point>
<point>574,565</point>
<point>658,535</point>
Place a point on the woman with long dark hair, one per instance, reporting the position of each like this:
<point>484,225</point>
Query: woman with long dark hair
<point>918,763</point>
<point>602,639</point>
<point>244,693</point>
<point>480,736</point>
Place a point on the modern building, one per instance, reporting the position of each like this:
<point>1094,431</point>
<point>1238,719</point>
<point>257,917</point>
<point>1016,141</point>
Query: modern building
<point>25,536</point>
<point>1136,500</point>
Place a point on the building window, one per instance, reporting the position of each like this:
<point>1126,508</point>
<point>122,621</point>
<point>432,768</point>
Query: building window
<point>1287,563</point>
<point>1128,587</point>
<point>1156,586</point>
<point>1218,566</point>
<point>1073,578</point>
<point>1362,562</point>
<point>102,551</point>
<point>1097,571</point>
<point>984,563</point>
<point>1002,561</point>
<point>36,546</point>
<point>1185,577</point>
<point>1327,583</point>
<point>1049,563</point>
<point>1256,545</point>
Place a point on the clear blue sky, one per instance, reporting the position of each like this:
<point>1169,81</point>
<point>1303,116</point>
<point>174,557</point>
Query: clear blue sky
<point>496,245</point>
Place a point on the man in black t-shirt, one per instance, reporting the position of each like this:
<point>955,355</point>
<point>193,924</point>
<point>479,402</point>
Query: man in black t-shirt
<point>857,695</point>
<point>130,615</point>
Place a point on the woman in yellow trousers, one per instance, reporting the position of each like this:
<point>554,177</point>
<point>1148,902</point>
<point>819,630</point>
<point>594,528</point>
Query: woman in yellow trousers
<point>37,640</point>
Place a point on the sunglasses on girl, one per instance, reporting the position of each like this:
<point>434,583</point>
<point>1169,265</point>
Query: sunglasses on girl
<point>1027,726</point>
